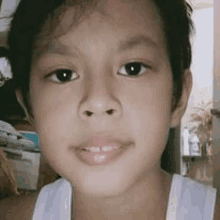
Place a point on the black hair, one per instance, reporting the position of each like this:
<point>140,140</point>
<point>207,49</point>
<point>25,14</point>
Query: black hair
<point>4,52</point>
<point>177,26</point>
<point>30,17</point>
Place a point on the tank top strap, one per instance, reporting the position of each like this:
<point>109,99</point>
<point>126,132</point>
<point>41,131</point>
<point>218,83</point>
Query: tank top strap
<point>54,201</point>
<point>190,200</point>
<point>174,197</point>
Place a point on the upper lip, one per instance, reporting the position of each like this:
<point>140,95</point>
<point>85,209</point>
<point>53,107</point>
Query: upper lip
<point>101,141</point>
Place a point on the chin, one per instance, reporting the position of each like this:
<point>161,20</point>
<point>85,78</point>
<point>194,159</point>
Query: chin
<point>105,187</point>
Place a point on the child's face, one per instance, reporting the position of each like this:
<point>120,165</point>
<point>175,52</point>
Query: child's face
<point>95,53</point>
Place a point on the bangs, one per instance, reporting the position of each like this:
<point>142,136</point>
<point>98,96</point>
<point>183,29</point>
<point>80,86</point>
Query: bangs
<point>68,15</point>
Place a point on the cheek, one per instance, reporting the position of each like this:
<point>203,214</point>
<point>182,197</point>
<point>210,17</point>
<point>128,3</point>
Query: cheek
<point>54,112</point>
<point>150,115</point>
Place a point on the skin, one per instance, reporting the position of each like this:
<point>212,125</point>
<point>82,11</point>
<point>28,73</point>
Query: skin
<point>133,186</point>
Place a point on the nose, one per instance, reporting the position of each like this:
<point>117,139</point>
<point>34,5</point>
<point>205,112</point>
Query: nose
<point>99,102</point>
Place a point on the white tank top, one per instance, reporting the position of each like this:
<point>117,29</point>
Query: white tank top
<point>188,200</point>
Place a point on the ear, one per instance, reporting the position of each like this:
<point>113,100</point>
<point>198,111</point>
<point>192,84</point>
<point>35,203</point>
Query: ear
<point>21,102</point>
<point>178,113</point>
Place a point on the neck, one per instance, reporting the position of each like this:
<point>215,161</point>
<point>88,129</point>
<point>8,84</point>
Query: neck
<point>147,198</point>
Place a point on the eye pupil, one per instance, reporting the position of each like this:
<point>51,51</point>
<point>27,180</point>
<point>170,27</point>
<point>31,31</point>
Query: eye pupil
<point>64,75</point>
<point>133,68</point>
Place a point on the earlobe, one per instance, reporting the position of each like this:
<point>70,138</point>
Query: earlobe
<point>21,102</point>
<point>181,108</point>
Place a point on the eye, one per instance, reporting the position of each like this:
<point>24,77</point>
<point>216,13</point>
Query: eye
<point>133,69</point>
<point>62,75</point>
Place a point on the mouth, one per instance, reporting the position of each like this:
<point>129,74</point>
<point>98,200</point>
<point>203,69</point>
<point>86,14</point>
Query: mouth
<point>101,151</point>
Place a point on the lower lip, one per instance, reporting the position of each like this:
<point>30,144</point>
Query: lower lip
<point>102,157</point>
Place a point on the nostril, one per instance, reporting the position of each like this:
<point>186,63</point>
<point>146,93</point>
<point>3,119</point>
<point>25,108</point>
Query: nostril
<point>110,112</point>
<point>89,113</point>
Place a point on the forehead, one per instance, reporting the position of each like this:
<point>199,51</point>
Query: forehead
<point>123,17</point>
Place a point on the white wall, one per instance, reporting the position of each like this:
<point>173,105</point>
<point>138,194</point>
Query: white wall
<point>202,60</point>
<point>196,4</point>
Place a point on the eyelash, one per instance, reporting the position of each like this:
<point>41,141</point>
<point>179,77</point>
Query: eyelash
<point>122,70</point>
<point>56,72</point>
<point>142,66</point>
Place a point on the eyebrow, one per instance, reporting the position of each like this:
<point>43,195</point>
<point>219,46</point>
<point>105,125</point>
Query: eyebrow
<point>136,41</point>
<point>58,47</point>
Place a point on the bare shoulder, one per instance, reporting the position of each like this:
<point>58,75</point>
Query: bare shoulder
<point>17,208</point>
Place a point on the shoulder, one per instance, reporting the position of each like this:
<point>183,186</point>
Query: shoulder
<point>16,208</point>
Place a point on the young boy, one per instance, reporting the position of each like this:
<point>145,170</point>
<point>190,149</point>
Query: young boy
<point>104,81</point>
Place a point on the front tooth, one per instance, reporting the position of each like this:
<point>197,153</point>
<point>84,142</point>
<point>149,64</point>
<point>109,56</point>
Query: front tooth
<point>107,148</point>
<point>99,158</point>
<point>94,149</point>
